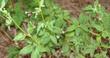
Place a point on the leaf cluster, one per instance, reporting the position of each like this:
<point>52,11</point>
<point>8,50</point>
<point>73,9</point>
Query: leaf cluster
<point>48,27</point>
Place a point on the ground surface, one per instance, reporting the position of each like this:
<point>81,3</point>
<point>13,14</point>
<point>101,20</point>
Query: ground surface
<point>73,6</point>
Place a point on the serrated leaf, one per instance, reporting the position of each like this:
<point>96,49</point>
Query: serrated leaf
<point>78,31</point>
<point>105,34</point>
<point>98,38</point>
<point>13,52</point>
<point>40,26</point>
<point>65,48</point>
<point>80,56</point>
<point>59,23</point>
<point>84,27</point>
<point>53,39</point>
<point>52,28</point>
<point>26,50</point>
<point>88,8</point>
<point>83,19</point>
<point>57,30</point>
<point>43,48</point>
<point>44,38</point>
<point>35,53</point>
<point>30,27</point>
<point>98,27</point>
<point>66,15</point>
<point>19,36</point>
<point>71,28</point>
<point>75,22</point>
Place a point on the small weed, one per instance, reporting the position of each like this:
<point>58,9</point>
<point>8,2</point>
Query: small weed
<point>45,28</point>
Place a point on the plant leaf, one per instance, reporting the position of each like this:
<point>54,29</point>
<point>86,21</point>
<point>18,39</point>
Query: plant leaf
<point>3,3</point>
<point>71,28</point>
<point>84,27</point>
<point>105,34</point>
<point>30,27</point>
<point>26,50</point>
<point>35,53</point>
<point>53,39</point>
<point>70,34</point>
<point>98,27</point>
<point>19,14</point>
<point>98,38</point>
<point>13,52</point>
<point>19,36</point>
<point>65,49</point>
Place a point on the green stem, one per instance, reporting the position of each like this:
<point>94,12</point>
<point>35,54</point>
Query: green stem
<point>27,34</point>
<point>42,16</point>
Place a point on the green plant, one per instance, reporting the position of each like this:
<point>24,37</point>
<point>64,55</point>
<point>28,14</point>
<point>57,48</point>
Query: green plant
<point>42,30</point>
<point>48,27</point>
<point>89,32</point>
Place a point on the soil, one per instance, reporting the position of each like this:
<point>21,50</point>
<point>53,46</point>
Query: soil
<point>73,6</point>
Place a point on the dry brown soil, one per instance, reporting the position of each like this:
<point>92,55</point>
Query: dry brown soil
<point>75,6</point>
